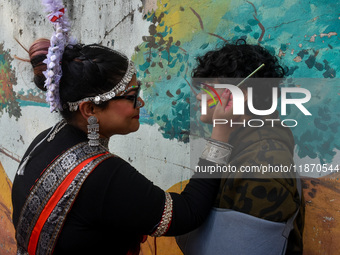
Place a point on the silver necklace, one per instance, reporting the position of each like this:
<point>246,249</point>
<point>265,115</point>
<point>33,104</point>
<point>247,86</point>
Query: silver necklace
<point>59,126</point>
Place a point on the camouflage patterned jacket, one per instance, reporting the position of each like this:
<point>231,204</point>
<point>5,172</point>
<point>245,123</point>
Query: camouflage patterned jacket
<point>275,198</point>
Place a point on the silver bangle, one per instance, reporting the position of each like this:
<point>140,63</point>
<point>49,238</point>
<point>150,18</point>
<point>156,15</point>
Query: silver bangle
<point>165,222</point>
<point>217,152</point>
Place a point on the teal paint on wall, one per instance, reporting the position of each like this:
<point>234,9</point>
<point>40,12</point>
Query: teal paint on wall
<point>303,34</point>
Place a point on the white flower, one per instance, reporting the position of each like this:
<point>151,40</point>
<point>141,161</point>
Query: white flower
<point>51,65</point>
<point>50,73</point>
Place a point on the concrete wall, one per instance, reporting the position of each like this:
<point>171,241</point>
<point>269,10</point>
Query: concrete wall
<point>163,37</point>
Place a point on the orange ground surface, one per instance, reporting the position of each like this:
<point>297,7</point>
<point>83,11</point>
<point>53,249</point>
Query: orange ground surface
<point>7,233</point>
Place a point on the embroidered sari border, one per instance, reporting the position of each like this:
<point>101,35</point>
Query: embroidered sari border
<point>48,183</point>
<point>66,202</point>
<point>52,202</point>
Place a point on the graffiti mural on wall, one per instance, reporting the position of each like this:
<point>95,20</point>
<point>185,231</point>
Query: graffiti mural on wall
<point>8,97</point>
<point>11,101</point>
<point>304,35</point>
<point>9,104</point>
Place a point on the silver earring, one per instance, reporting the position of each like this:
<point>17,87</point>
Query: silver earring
<point>92,130</point>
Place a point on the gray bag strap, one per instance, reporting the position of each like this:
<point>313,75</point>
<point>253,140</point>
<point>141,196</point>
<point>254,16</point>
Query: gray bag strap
<point>290,221</point>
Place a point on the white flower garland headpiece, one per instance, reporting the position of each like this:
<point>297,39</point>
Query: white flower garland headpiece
<point>60,38</point>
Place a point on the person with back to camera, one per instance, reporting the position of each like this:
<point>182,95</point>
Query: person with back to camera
<point>248,206</point>
<point>70,194</point>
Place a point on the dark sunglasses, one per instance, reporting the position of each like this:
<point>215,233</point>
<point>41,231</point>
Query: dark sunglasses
<point>133,98</point>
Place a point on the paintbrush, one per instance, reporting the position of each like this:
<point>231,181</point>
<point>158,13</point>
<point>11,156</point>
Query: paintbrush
<point>238,85</point>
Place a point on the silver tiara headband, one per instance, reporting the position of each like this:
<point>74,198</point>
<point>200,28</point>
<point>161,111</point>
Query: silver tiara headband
<point>121,86</point>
